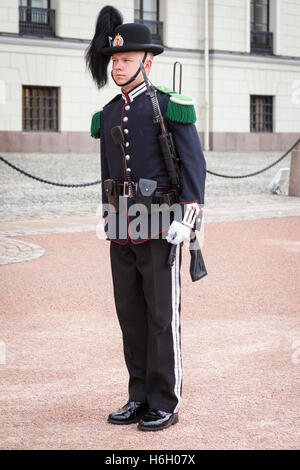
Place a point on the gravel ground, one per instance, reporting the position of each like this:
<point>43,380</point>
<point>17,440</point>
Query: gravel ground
<point>25,199</point>
<point>61,361</point>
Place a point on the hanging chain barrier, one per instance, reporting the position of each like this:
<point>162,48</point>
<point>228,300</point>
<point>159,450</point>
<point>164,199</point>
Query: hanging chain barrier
<point>99,181</point>
<point>46,181</point>
<point>260,171</point>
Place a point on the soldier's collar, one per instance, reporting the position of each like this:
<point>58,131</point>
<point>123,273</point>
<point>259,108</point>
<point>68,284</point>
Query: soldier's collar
<point>138,90</point>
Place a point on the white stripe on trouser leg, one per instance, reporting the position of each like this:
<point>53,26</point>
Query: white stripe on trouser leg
<point>176,327</point>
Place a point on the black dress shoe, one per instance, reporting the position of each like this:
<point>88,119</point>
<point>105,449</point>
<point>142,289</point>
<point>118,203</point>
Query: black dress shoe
<point>130,413</point>
<point>155,420</point>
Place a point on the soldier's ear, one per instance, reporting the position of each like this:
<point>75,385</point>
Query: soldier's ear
<point>150,56</point>
<point>148,63</point>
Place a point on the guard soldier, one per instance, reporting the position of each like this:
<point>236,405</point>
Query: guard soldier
<point>136,173</point>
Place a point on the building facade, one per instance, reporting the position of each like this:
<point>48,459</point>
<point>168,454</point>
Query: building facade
<point>241,64</point>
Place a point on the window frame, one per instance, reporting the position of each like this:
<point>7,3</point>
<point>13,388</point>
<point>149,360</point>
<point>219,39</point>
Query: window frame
<point>46,113</point>
<point>28,26</point>
<point>258,121</point>
<point>261,41</point>
<point>155,26</point>
<point>254,19</point>
<point>141,10</point>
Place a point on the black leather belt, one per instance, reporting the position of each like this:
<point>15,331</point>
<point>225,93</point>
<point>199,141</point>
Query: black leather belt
<point>162,195</point>
<point>125,191</point>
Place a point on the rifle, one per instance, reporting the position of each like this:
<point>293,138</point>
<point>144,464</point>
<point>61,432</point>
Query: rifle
<point>172,162</point>
<point>166,140</point>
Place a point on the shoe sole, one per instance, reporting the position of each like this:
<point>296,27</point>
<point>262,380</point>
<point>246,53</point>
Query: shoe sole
<point>158,428</point>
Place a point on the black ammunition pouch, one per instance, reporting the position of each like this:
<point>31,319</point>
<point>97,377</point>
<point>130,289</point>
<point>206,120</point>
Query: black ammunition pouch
<point>111,188</point>
<point>145,193</point>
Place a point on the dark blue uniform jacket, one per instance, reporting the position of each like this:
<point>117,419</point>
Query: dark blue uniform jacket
<point>133,113</point>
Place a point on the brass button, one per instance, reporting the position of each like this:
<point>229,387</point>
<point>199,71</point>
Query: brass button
<point>127,157</point>
<point>127,144</point>
<point>126,131</point>
<point>127,107</point>
<point>125,119</point>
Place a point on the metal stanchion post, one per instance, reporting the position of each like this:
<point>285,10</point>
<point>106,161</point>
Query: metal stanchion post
<point>294,183</point>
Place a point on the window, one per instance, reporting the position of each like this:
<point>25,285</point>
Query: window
<point>261,37</point>
<point>260,15</point>
<point>147,12</point>
<point>36,18</point>
<point>40,108</point>
<point>261,113</point>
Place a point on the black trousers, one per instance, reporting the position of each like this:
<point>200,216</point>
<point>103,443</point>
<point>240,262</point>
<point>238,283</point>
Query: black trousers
<point>147,298</point>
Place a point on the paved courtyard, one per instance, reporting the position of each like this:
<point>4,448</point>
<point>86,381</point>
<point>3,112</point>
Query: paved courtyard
<point>61,361</point>
<point>226,199</point>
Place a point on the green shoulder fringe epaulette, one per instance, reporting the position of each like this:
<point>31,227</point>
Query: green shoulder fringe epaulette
<point>95,125</point>
<point>180,108</point>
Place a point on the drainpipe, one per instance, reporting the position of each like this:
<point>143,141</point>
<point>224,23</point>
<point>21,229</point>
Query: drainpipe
<point>206,67</point>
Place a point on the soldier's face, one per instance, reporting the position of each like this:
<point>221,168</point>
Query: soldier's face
<point>125,66</point>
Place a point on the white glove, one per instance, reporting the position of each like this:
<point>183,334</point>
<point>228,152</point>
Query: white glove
<point>178,233</point>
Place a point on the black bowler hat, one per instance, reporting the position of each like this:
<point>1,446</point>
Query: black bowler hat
<point>130,37</point>
<point>112,36</point>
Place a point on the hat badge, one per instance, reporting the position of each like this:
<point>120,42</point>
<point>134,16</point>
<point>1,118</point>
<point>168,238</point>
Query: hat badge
<point>118,41</point>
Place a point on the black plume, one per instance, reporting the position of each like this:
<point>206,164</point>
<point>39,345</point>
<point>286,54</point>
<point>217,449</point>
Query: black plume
<point>108,19</point>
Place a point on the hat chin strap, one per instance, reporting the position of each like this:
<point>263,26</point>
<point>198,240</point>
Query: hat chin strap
<point>132,78</point>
